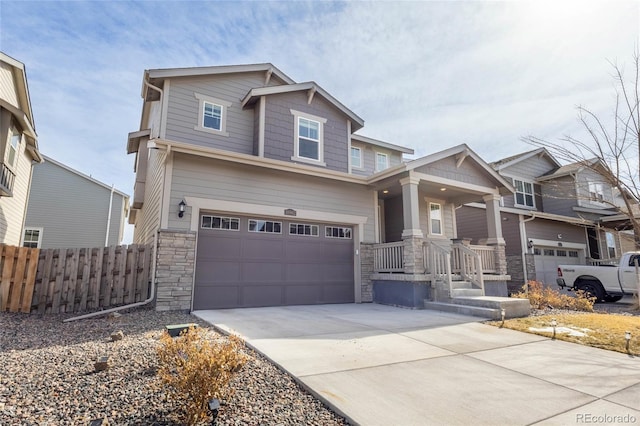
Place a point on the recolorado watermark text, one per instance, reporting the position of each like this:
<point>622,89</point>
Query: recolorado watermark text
<point>588,418</point>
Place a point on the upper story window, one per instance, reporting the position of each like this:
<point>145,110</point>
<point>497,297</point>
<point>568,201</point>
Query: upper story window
<point>596,193</point>
<point>524,193</point>
<point>212,115</point>
<point>309,138</point>
<point>382,161</point>
<point>14,144</point>
<point>356,157</point>
<point>435,218</point>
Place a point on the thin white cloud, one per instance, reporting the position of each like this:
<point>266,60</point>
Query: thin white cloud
<point>428,75</point>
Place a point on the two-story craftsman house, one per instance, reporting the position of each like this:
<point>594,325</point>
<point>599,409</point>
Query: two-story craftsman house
<point>256,191</point>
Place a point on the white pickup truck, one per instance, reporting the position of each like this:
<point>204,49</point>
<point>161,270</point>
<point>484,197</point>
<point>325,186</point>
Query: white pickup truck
<point>608,283</point>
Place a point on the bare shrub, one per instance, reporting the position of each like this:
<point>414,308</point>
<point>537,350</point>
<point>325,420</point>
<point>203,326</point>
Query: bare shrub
<point>541,297</point>
<point>198,369</point>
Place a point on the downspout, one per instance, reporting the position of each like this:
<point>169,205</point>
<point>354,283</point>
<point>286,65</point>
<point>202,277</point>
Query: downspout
<point>106,237</point>
<point>523,233</point>
<point>152,293</point>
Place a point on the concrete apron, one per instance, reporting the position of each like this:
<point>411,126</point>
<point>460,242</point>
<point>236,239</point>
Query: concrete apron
<point>381,365</point>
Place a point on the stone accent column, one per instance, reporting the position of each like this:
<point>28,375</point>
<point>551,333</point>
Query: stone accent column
<point>501,258</point>
<point>366,271</point>
<point>175,269</point>
<point>413,255</point>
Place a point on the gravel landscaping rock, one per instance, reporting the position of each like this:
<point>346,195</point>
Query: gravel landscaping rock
<point>47,376</point>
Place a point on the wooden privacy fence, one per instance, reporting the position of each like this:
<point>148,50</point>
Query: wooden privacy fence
<point>73,280</point>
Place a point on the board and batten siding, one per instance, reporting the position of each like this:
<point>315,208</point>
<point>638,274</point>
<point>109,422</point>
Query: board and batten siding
<point>72,210</point>
<point>7,85</point>
<point>183,110</point>
<point>280,136</point>
<point>214,179</point>
<point>148,217</point>
<point>13,209</point>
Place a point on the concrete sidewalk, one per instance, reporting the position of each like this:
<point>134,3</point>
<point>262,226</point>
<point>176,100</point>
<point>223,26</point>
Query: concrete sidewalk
<point>380,365</point>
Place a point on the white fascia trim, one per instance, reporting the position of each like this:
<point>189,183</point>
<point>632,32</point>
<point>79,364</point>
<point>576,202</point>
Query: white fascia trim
<point>349,165</point>
<point>253,160</point>
<point>223,69</point>
<point>261,125</point>
<point>166,198</point>
<point>470,187</point>
<point>164,108</point>
<point>528,155</point>
<point>236,207</point>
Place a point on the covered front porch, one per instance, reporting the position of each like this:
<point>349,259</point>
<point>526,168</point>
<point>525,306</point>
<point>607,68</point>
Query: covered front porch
<point>419,255</point>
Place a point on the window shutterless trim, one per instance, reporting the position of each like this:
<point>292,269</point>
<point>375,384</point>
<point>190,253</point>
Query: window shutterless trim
<point>30,241</point>
<point>224,106</point>
<point>386,156</point>
<point>268,226</point>
<point>296,227</point>
<point>341,232</point>
<point>360,164</point>
<point>297,115</point>
<point>524,194</point>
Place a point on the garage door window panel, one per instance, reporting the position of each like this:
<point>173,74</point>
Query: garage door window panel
<point>219,222</point>
<point>304,229</point>
<point>338,232</point>
<point>265,226</point>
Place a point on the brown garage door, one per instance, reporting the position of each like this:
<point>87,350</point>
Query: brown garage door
<point>256,261</point>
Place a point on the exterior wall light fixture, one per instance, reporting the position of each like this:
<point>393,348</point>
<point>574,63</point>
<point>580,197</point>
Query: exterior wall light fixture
<point>181,207</point>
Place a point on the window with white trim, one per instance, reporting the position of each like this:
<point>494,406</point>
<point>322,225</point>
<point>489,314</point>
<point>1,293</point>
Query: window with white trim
<point>356,157</point>
<point>265,226</point>
<point>611,245</point>
<point>524,193</point>
<point>337,232</point>
<point>308,138</point>
<point>435,218</point>
<point>304,229</point>
<point>212,115</point>
<point>32,237</point>
<point>382,161</point>
<point>596,192</point>
<point>573,253</point>
<point>220,222</point>
<point>13,145</point>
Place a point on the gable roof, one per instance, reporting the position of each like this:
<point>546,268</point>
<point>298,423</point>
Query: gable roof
<point>84,176</point>
<point>382,144</point>
<point>162,73</point>
<point>313,88</point>
<point>461,152</point>
<point>23,113</point>
<point>568,169</point>
<point>510,161</point>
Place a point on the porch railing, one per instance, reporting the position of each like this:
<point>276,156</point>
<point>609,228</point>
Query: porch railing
<point>438,262</point>
<point>388,257</point>
<point>468,264</point>
<point>487,258</point>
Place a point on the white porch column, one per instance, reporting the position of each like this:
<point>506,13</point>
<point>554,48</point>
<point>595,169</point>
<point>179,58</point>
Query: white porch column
<point>410,207</point>
<point>494,222</point>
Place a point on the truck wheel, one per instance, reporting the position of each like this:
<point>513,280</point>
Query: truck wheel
<point>592,288</point>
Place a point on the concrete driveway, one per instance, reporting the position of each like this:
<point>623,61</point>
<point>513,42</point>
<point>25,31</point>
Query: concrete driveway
<point>380,365</point>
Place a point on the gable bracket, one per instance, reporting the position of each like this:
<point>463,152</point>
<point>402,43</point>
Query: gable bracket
<point>461,157</point>
<point>310,94</point>
<point>267,77</point>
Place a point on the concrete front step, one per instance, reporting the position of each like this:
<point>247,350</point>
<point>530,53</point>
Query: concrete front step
<point>466,292</point>
<point>461,284</point>
<point>475,311</point>
<point>484,306</point>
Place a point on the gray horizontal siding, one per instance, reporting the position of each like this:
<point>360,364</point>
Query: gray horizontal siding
<point>280,128</point>
<point>213,179</point>
<point>72,209</point>
<point>545,229</point>
<point>148,218</point>
<point>529,169</point>
<point>183,110</point>
<point>559,196</point>
<point>369,158</point>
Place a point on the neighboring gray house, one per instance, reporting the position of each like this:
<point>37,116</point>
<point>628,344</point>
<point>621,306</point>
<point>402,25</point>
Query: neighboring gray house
<point>18,148</point>
<point>559,214</point>
<point>255,190</point>
<point>68,209</point>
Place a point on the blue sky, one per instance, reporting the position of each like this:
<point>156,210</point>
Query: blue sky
<point>428,75</point>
